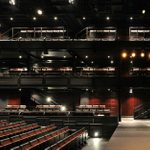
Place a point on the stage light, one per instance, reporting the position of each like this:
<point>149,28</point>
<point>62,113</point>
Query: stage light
<point>34,18</point>
<point>49,99</point>
<point>55,18</point>
<point>39,12</point>
<point>20,56</point>
<point>71,1</point>
<point>124,55</point>
<point>143,11</point>
<point>96,134</point>
<point>142,54</point>
<point>84,18</point>
<point>131,62</point>
<point>133,54</point>
<point>63,108</point>
<point>131,18</point>
<point>111,61</point>
<point>92,62</point>
<point>12,2</point>
<point>11,18</point>
<point>86,57</point>
<point>86,89</point>
<point>108,57</point>
<point>131,91</point>
<point>64,56</point>
<point>107,18</point>
<point>20,89</point>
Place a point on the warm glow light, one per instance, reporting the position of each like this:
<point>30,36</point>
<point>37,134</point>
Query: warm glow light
<point>124,55</point>
<point>96,134</point>
<point>20,57</point>
<point>49,99</point>
<point>34,18</point>
<point>55,18</point>
<point>11,18</point>
<point>149,55</point>
<point>63,108</point>
<point>39,12</point>
<point>86,56</point>
<point>84,18</point>
<point>12,2</point>
<point>131,18</point>
<point>142,54</point>
<point>133,54</point>
<point>143,11</point>
<point>107,18</point>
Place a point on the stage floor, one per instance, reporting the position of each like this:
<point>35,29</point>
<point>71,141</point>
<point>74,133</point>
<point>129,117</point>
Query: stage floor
<point>131,135</point>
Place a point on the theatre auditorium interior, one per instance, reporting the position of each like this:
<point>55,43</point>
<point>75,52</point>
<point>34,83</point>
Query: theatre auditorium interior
<point>75,74</point>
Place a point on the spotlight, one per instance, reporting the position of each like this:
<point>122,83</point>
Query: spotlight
<point>34,18</point>
<point>124,55</point>
<point>39,12</point>
<point>55,18</point>
<point>20,57</point>
<point>86,56</point>
<point>133,54</point>
<point>71,1</point>
<point>111,61</point>
<point>63,108</point>
<point>11,18</point>
<point>131,91</point>
<point>131,18</point>
<point>107,18</point>
<point>84,18</point>
<point>12,2</point>
<point>49,99</point>
<point>142,54</point>
<point>96,134</point>
<point>143,11</point>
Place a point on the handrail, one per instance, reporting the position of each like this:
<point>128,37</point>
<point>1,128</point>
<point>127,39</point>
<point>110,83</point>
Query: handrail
<point>66,140</point>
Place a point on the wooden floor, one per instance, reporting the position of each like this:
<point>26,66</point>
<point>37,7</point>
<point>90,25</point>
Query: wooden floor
<point>131,135</point>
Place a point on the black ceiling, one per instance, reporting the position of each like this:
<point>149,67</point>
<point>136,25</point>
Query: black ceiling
<point>71,15</point>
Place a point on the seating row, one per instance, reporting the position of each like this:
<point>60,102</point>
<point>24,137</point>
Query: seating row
<point>41,140</point>
<point>64,142</point>
<point>12,125</point>
<point>17,130</point>
<point>5,143</point>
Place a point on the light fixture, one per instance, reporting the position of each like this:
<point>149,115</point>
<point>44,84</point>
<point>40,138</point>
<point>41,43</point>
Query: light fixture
<point>71,1</point>
<point>34,18</point>
<point>48,99</point>
<point>142,54</point>
<point>131,91</point>
<point>20,89</point>
<point>149,55</point>
<point>86,89</point>
<point>133,54</point>
<point>64,56</point>
<point>49,61</point>
<point>143,11</point>
<point>107,18</point>
<point>84,18</point>
<point>111,61</point>
<point>131,62</point>
<point>86,56</point>
<point>82,62</point>
<point>39,12</point>
<point>20,56</point>
<point>131,18</point>
<point>124,55</point>
<point>55,18</point>
<point>108,89</point>
<point>42,56</point>
<point>96,134</point>
<point>63,108</point>
<point>92,62</point>
<point>108,57</point>
<point>12,2</point>
<point>11,18</point>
